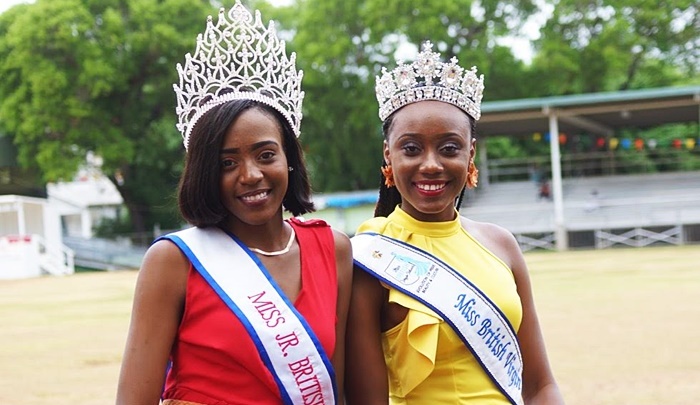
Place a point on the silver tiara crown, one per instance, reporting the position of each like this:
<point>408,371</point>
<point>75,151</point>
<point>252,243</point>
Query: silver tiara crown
<point>427,78</point>
<point>238,58</point>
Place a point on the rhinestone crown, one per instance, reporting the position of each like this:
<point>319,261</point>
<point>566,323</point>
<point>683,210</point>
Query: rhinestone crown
<point>427,78</point>
<point>238,58</point>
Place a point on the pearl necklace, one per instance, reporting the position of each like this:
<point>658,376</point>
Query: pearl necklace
<point>277,252</point>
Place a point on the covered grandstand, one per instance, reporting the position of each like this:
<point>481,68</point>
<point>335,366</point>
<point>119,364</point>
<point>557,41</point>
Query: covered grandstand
<point>599,212</point>
<point>586,211</point>
<point>635,210</point>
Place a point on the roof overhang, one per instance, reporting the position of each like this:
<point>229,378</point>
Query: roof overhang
<point>595,113</point>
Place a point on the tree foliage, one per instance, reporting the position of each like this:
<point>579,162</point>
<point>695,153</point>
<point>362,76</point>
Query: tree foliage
<point>97,75</point>
<point>603,45</point>
<point>342,46</point>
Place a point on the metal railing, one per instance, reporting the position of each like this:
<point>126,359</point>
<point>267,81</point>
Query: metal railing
<point>603,163</point>
<point>105,254</point>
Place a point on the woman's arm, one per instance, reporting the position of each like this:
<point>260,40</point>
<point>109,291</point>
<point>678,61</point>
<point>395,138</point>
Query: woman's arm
<point>366,380</point>
<point>343,259</point>
<point>156,312</point>
<point>539,385</point>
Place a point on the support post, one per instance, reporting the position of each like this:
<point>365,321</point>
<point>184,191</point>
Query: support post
<point>562,238</point>
<point>483,165</point>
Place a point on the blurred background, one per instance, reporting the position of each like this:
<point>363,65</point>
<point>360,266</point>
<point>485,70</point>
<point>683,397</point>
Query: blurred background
<point>589,137</point>
<point>588,151</point>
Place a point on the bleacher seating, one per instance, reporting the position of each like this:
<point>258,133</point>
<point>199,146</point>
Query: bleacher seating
<point>613,205</point>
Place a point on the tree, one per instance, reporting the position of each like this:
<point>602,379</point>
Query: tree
<point>605,45</point>
<point>341,45</point>
<point>97,75</point>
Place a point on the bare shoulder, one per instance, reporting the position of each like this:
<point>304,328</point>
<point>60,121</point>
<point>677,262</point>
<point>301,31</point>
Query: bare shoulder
<point>164,266</point>
<point>488,233</point>
<point>342,243</point>
<point>164,253</point>
<point>340,237</point>
<point>496,239</point>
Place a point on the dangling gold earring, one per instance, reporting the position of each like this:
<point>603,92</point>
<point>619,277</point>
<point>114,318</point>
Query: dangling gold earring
<point>388,173</point>
<point>472,175</point>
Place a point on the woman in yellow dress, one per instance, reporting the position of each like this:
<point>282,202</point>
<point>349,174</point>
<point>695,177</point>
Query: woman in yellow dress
<point>442,309</point>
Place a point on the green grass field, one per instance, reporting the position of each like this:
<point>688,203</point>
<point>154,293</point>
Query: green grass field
<point>620,325</point>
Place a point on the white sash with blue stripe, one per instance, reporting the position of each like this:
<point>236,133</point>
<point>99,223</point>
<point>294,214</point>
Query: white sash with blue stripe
<point>479,322</point>
<point>286,343</point>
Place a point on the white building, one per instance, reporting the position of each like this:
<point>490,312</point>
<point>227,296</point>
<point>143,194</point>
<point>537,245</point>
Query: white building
<point>83,203</point>
<point>32,229</point>
<point>30,239</point>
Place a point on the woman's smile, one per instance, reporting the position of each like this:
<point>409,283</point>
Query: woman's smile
<point>255,197</point>
<point>431,188</point>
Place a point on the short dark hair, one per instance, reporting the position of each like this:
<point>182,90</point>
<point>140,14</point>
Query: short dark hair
<point>199,198</point>
<point>389,198</point>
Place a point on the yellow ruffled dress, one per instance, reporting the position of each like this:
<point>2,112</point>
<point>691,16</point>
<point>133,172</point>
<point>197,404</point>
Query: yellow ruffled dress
<point>428,364</point>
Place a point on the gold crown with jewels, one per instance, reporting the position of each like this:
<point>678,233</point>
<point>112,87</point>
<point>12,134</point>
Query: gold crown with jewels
<point>427,78</point>
<point>238,59</point>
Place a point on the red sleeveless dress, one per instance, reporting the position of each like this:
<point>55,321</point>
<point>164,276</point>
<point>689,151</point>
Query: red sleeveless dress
<point>214,361</point>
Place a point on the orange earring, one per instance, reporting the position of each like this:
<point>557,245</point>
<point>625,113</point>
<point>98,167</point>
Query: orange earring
<point>388,173</point>
<point>472,175</point>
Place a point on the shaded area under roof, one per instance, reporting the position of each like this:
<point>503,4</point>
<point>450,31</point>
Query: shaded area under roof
<point>594,113</point>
